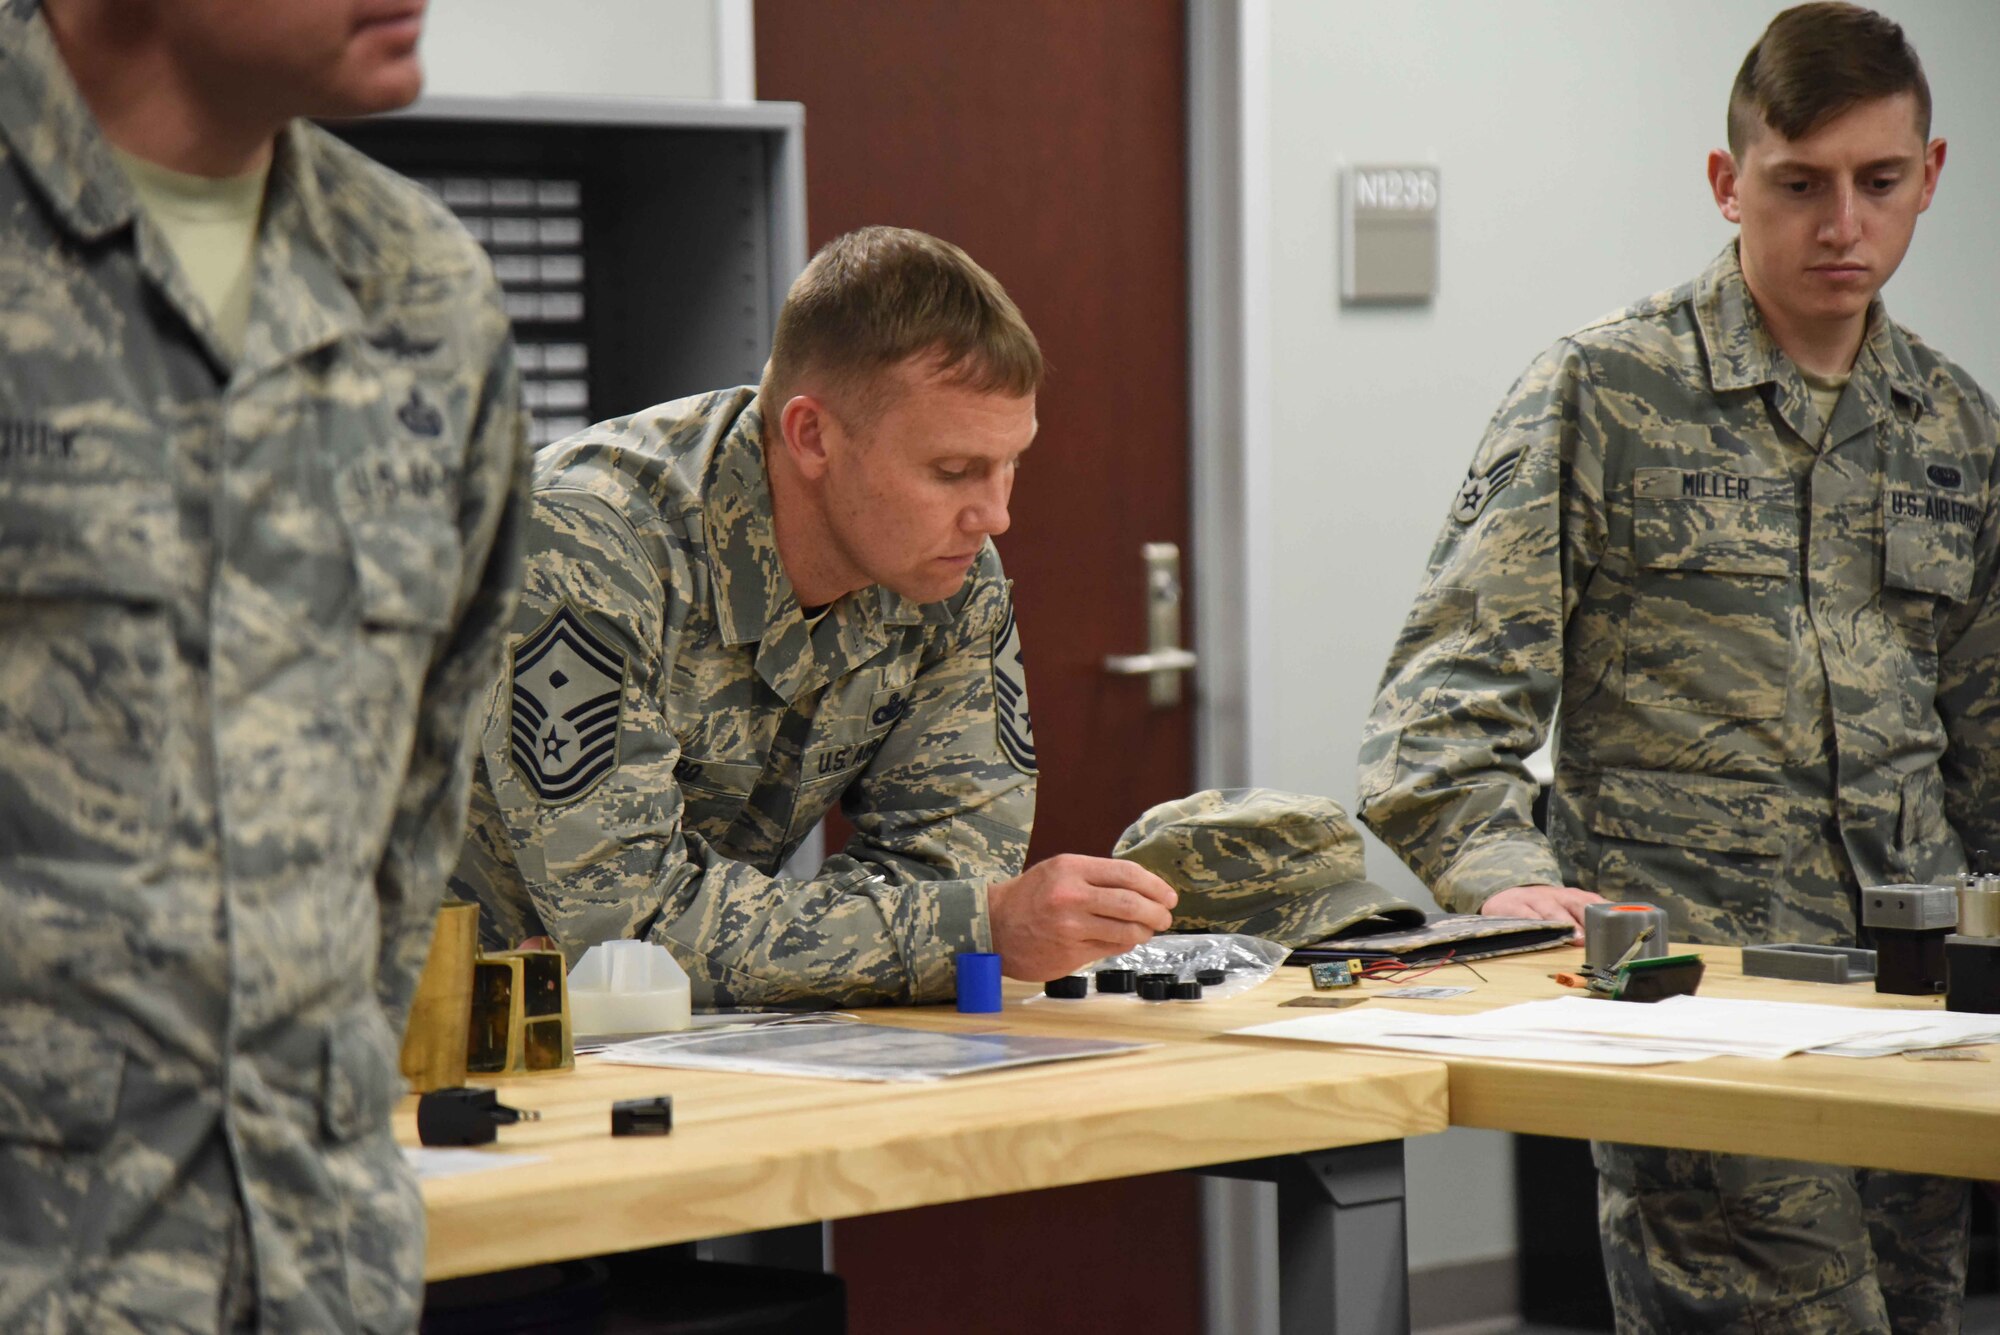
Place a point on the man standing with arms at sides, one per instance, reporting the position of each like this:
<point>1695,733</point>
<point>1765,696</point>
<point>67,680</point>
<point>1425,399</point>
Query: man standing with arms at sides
<point>261,485</point>
<point>1738,544</point>
<point>745,607</point>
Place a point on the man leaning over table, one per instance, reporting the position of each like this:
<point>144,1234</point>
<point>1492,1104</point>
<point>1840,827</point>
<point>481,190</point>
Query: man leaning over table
<point>745,608</point>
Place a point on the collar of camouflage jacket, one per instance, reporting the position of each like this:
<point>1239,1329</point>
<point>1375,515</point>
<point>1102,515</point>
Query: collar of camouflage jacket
<point>1743,355</point>
<point>303,300</point>
<point>754,598</point>
<point>46,123</point>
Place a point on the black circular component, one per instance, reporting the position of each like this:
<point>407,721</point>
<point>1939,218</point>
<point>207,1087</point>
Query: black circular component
<point>1153,987</point>
<point>1076,985</point>
<point>1117,980</point>
<point>1162,977</point>
<point>1188,991</point>
<point>1210,977</point>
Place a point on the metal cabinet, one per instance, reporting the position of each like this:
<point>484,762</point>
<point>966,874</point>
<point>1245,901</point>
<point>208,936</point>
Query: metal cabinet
<point>644,246</point>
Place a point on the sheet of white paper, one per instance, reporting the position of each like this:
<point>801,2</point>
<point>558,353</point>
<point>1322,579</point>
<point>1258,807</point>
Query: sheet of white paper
<point>1579,1029</point>
<point>1386,1028</point>
<point>432,1164</point>
<point>1739,1028</point>
<point>1938,1030</point>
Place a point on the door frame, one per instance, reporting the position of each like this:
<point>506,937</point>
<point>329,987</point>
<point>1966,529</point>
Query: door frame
<point>1229,374</point>
<point>1229,453</point>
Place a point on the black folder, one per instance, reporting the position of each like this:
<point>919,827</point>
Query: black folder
<point>1455,936</point>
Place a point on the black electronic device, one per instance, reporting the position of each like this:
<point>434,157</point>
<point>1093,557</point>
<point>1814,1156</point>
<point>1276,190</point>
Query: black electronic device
<point>1909,924</point>
<point>1657,979</point>
<point>1973,963</point>
<point>464,1116</point>
<point>643,1117</point>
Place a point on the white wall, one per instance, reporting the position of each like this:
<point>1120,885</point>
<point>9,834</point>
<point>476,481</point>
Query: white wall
<point>1571,136</point>
<point>613,48</point>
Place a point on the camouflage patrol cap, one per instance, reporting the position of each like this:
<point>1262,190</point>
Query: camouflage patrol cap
<point>1278,865</point>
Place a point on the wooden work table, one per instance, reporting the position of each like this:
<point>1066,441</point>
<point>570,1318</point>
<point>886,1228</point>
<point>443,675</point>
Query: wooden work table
<point>1884,1112</point>
<point>758,1152</point>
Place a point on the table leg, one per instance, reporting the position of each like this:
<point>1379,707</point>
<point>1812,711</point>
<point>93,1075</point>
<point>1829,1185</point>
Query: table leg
<point>800,1247</point>
<point>1343,1266</point>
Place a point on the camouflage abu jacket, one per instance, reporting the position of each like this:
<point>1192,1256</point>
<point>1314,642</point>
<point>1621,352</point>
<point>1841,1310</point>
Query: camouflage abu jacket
<point>244,611</point>
<point>1767,643</point>
<point>672,730</point>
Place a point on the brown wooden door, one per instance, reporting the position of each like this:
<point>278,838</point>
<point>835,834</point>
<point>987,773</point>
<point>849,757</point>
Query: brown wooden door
<point>1048,138</point>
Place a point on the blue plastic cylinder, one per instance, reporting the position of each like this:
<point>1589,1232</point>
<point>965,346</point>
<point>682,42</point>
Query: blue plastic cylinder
<point>978,982</point>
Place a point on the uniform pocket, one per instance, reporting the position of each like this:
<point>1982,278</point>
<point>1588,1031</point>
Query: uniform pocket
<point>1711,851</point>
<point>1714,592</point>
<point>59,1080</point>
<point>714,794</point>
<point>399,512</point>
<point>829,771</point>
<point>1927,848</point>
<point>362,1079</point>
<point>406,569</point>
<point>86,647</point>
<point>375,1212</point>
<point>1926,556</point>
<point>1925,565</point>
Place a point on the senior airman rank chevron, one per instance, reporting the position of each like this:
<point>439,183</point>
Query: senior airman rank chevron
<point>1010,697</point>
<point>1480,488</point>
<point>569,690</point>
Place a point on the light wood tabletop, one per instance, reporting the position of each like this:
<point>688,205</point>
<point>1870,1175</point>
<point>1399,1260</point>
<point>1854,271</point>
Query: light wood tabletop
<point>1884,1112</point>
<point>757,1152</point>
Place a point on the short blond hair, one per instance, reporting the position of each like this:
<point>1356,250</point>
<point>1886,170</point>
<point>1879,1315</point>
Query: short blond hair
<point>880,296</point>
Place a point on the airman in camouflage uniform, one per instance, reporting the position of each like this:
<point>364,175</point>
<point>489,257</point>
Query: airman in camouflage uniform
<point>245,606</point>
<point>675,723</point>
<point>732,727</point>
<point>1762,624</point>
<point>1767,655</point>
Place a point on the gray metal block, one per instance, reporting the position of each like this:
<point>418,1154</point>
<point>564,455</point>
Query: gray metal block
<point>1913,908</point>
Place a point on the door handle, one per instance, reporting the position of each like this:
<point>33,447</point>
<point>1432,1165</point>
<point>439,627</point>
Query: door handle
<point>1164,659</point>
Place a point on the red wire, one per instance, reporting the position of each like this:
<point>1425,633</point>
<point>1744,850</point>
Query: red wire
<point>1397,969</point>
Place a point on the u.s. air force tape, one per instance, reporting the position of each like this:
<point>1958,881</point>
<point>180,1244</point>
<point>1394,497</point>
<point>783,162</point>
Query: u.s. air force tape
<point>569,689</point>
<point>1010,697</point>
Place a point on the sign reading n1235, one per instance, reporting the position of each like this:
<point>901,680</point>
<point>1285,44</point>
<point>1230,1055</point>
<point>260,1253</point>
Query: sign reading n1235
<point>1398,189</point>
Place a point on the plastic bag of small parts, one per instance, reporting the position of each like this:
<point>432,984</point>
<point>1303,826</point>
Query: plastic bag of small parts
<point>1244,961</point>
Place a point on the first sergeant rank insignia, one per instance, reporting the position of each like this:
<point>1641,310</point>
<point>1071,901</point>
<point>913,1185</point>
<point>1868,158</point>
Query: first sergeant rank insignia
<point>1010,697</point>
<point>569,690</point>
<point>1480,488</point>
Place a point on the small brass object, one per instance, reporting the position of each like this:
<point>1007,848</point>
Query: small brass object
<point>434,1041</point>
<point>520,1014</point>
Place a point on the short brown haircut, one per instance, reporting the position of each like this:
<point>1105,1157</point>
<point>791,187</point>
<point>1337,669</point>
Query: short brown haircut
<point>1815,62</point>
<point>879,296</point>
